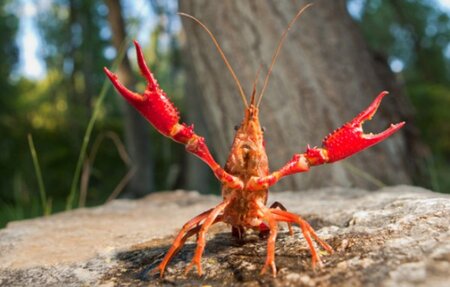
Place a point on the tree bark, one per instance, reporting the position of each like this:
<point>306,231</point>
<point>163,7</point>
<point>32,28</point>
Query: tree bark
<point>324,77</point>
<point>198,175</point>
<point>137,133</point>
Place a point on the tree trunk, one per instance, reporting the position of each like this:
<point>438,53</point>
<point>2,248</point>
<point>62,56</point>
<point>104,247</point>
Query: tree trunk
<point>137,134</point>
<point>198,175</point>
<point>324,77</point>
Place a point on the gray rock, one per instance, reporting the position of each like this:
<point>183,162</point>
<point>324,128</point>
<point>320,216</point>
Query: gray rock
<point>397,236</point>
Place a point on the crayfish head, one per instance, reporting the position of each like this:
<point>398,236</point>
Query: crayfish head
<point>250,126</point>
<point>248,156</point>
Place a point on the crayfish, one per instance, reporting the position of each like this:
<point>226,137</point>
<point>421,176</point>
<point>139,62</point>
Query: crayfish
<point>246,178</point>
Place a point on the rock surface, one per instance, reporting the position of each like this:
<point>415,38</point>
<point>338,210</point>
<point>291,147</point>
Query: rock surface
<point>397,236</point>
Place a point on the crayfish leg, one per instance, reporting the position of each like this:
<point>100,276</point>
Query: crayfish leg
<point>279,205</point>
<point>270,259</point>
<point>322,243</point>
<point>211,218</point>
<point>307,231</point>
<point>264,230</point>
<point>189,228</point>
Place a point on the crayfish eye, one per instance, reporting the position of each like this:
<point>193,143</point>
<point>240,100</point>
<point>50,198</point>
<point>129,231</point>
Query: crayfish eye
<point>263,128</point>
<point>236,127</point>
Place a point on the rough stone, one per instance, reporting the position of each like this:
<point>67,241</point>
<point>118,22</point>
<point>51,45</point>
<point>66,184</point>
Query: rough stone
<point>396,236</point>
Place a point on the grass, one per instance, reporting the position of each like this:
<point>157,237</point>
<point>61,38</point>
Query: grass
<point>90,127</point>
<point>86,139</point>
<point>46,205</point>
<point>22,203</point>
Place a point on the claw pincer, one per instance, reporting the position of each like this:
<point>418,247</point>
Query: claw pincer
<point>156,107</point>
<point>350,138</point>
<point>153,104</point>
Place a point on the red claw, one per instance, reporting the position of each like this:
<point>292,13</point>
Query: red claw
<point>154,104</point>
<point>350,138</point>
<point>157,108</point>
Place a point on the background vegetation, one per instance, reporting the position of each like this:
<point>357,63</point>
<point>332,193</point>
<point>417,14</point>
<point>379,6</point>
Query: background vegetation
<point>75,44</point>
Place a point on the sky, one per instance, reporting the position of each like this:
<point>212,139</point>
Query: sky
<point>31,66</point>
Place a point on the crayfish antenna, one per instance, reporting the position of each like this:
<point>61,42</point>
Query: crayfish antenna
<point>277,51</point>
<point>255,82</point>
<point>222,54</point>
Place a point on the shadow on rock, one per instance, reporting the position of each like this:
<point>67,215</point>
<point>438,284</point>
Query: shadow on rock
<point>226,261</point>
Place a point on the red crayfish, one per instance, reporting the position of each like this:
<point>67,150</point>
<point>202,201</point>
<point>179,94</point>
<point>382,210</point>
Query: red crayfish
<point>246,178</point>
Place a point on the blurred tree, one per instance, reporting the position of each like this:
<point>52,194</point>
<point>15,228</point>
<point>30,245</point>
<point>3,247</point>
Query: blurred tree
<point>8,50</point>
<point>137,133</point>
<point>162,55</point>
<point>9,54</point>
<point>8,100</point>
<point>75,40</point>
<point>324,77</point>
<point>165,62</point>
<point>56,109</point>
<point>76,36</point>
<point>414,37</point>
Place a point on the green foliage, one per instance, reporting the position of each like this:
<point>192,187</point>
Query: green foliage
<point>9,160</point>
<point>57,108</point>
<point>417,33</point>
<point>74,46</point>
<point>9,24</point>
<point>434,122</point>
